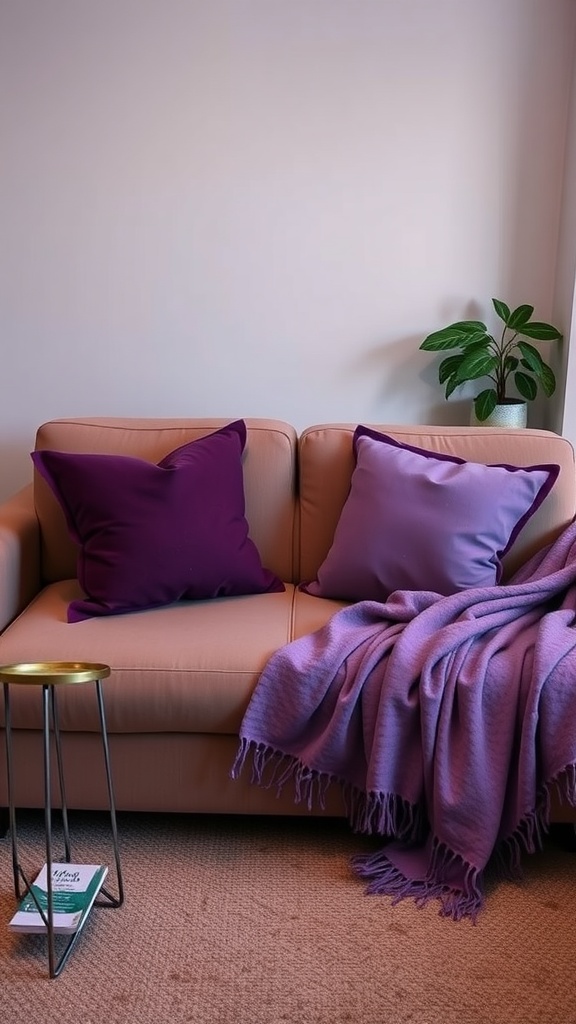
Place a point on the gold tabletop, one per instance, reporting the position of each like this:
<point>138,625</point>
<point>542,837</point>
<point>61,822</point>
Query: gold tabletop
<point>43,673</point>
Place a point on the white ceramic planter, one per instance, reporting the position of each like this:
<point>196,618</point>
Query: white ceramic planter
<point>509,414</point>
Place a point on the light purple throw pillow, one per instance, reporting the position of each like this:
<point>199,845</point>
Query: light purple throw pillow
<point>151,534</point>
<point>420,520</point>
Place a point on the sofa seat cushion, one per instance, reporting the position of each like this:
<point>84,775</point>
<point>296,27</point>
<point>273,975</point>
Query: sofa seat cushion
<point>186,667</point>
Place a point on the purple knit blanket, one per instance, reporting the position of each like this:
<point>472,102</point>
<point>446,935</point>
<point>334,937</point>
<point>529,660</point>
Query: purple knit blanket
<point>447,720</point>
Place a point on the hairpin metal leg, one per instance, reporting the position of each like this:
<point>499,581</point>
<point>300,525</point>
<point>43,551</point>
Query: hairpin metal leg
<point>9,783</point>
<point>113,901</point>
<point>53,967</point>
<point>50,725</point>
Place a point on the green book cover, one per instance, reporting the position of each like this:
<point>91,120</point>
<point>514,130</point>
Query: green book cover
<point>74,889</point>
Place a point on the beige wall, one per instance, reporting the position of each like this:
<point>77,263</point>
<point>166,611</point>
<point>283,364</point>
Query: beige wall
<point>260,207</point>
<point>563,410</point>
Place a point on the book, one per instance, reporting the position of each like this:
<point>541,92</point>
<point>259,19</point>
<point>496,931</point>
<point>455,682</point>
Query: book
<point>74,889</point>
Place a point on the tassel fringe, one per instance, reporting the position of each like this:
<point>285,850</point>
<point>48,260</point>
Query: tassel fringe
<point>457,901</point>
<point>448,877</point>
<point>382,814</point>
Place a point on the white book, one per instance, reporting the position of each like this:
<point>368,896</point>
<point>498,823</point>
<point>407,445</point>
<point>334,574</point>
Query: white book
<point>74,889</point>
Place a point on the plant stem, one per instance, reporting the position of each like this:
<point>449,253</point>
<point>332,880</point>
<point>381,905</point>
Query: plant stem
<point>506,349</point>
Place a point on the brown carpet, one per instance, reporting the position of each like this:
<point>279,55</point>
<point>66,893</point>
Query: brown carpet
<point>258,921</point>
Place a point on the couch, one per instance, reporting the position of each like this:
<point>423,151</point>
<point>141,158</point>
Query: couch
<point>182,673</point>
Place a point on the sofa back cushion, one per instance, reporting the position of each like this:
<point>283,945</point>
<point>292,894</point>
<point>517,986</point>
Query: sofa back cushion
<point>269,479</point>
<point>326,463</point>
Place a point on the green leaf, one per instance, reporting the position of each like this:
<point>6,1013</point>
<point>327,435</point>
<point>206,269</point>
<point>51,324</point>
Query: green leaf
<point>531,356</point>
<point>477,341</point>
<point>485,403</point>
<point>540,331</point>
<point>468,326</point>
<point>533,361</point>
<point>448,367</point>
<point>454,336</point>
<point>441,340</point>
<point>520,317</point>
<point>451,384</point>
<point>544,375</point>
<point>526,385</point>
<point>502,310</point>
<point>478,363</point>
<point>547,380</point>
<point>510,363</point>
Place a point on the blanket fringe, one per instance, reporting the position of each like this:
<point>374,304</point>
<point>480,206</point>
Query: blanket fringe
<point>383,814</point>
<point>529,836</point>
<point>447,877</point>
<point>273,769</point>
<point>386,814</point>
<point>464,900</point>
<point>565,784</point>
<point>506,860</point>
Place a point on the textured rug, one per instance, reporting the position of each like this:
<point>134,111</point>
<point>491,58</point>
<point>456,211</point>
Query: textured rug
<point>260,921</point>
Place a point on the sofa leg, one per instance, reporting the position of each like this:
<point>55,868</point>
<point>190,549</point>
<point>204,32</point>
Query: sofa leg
<point>4,822</point>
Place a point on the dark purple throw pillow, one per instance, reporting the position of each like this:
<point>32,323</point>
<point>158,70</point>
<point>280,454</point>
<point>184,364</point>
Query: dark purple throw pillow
<point>419,520</point>
<point>151,534</point>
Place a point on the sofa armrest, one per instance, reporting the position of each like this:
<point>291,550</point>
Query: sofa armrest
<point>19,554</point>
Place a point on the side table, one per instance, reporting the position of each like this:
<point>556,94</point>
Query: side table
<point>50,676</point>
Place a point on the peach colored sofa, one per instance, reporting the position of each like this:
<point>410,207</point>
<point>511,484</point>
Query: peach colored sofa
<point>182,675</point>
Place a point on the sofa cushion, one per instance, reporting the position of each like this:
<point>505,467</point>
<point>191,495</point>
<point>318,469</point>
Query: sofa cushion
<point>186,667</point>
<point>416,519</point>
<point>150,534</point>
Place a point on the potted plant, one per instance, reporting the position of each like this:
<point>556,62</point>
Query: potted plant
<point>480,354</point>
